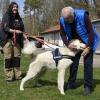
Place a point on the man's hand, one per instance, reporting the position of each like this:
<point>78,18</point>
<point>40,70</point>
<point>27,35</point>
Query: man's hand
<point>86,51</point>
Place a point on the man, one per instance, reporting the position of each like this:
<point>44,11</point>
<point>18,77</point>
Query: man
<point>75,24</point>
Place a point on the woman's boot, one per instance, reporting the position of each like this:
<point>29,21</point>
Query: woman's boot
<point>16,65</point>
<point>9,72</point>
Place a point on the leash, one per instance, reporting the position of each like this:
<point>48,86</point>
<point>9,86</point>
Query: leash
<point>40,40</point>
<point>14,38</point>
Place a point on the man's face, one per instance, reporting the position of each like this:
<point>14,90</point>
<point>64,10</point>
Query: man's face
<point>69,19</point>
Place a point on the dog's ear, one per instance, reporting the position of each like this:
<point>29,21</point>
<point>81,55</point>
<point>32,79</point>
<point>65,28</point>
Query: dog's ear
<point>78,45</point>
<point>72,41</point>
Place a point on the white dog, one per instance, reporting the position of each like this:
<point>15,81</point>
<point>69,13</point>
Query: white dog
<point>46,59</point>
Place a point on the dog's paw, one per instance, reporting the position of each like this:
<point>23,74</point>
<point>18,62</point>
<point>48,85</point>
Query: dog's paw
<point>62,93</point>
<point>21,89</point>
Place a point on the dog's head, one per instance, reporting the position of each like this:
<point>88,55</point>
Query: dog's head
<point>29,47</point>
<point>78,45</point>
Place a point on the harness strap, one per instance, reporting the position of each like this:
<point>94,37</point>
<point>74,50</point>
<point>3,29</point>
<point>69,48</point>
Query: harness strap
<point>58,56</point>
<point>67,56</point>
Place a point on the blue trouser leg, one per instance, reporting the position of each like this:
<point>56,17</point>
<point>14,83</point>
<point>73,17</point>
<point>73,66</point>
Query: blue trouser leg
<point>88,69</point>
<point>73,69</point>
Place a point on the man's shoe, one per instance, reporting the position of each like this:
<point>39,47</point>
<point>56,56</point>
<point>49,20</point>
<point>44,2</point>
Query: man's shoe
<point>68,86</point>
<point>87,91</point>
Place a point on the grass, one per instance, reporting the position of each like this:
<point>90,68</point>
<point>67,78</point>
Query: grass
<point>48,91</point>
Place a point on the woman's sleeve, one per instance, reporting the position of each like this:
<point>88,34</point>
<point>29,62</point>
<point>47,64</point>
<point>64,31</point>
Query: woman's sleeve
<point>5,23</point>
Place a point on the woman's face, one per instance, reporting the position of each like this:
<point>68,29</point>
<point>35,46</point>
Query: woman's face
<point>15,9</point>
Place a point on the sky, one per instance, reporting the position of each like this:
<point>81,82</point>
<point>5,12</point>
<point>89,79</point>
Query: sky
<point>21,5</point>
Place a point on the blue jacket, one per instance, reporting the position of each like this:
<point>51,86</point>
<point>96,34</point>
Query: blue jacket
<point>80,28</point>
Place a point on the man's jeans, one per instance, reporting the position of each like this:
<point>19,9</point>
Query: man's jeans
<point>88,69</point>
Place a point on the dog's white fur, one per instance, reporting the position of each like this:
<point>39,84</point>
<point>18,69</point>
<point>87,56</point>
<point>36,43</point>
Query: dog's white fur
<point>46,59</point>
<point>29,47</point>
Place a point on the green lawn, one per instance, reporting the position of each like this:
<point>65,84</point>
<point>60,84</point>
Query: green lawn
<point>49,91</point>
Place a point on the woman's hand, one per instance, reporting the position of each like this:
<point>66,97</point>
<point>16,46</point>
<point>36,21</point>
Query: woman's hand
<point>15,31</point>
<point>18,31</point>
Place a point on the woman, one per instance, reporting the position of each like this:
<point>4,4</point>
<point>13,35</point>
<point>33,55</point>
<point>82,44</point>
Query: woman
<point>11,39</point>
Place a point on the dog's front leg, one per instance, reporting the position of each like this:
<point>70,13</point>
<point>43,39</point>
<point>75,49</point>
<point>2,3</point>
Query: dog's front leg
<point>22,83</point>
<point>29,75</point>
<point>61,73</point>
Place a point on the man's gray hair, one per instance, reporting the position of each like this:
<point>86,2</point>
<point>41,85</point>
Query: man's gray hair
<point>67,11</point>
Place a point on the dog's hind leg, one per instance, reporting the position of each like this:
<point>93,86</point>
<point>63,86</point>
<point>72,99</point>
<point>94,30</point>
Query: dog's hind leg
<point>61,73</point>
<point>34,69</point>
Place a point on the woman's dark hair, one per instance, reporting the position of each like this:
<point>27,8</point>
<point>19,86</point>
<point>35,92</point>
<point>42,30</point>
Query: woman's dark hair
<point>9,11</point>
